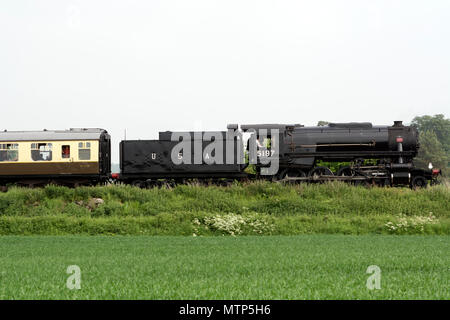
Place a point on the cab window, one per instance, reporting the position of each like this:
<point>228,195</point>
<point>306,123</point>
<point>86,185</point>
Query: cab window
<point>9,152</point>
<point>84,151</point>
<point>41,151</point>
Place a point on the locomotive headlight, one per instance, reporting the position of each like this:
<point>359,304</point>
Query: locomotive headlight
<point>430,166</point>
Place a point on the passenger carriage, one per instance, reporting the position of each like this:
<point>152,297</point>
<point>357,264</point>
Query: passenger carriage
<point>71,157</point>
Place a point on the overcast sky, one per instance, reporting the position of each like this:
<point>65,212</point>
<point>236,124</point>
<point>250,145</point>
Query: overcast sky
<point>150,66</point>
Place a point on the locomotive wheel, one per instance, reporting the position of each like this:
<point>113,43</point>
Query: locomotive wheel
<point>168,185</point>
<point>419,182</point>
<point>226,182</point>
<point>384,182</point>
<point>320,171</point>
<point>299,173</point>
<point>149,184</point>
<point>138,184</point>
<point>292,173</point>
<point>345,172</point>
<point>165,184</point>
<point>194,182</point>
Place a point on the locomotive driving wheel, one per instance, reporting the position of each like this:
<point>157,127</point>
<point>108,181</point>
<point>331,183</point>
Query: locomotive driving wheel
<point>320,171</point>
<point>346,171</point>
<point>291,173</point>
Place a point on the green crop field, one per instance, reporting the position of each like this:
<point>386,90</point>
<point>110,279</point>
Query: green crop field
<point>248,267</point>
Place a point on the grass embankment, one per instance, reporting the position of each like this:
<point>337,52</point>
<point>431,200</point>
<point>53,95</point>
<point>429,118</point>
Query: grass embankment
<point>277,267</point>
<point>242,209</point>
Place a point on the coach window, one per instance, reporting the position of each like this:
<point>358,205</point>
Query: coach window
<point>65,152</point>
<point>9,152</point>
<point>41,151</point>
<point>84,151</point>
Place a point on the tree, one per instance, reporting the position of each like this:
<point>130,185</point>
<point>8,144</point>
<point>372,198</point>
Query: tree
<point>434,138</point>
<point>322,123</point>
<point>439,125</point>
<point>431,150</point>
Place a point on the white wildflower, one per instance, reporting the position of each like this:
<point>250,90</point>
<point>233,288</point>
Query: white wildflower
<point>411,223</point>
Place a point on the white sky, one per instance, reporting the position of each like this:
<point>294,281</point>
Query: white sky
<point>151,66</point>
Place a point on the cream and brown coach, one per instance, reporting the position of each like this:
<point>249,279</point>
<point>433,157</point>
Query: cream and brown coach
<point>72,157</point>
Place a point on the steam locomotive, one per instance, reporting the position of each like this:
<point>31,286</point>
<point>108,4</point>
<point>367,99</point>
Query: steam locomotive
<point>367,154</point>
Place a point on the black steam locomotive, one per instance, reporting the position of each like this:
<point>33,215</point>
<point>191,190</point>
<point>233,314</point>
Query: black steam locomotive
<point>370,154</point>
<point>392,147</point>
<point>367,154</point>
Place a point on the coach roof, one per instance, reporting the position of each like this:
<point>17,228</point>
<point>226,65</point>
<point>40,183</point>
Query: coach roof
<point>53,135</point>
